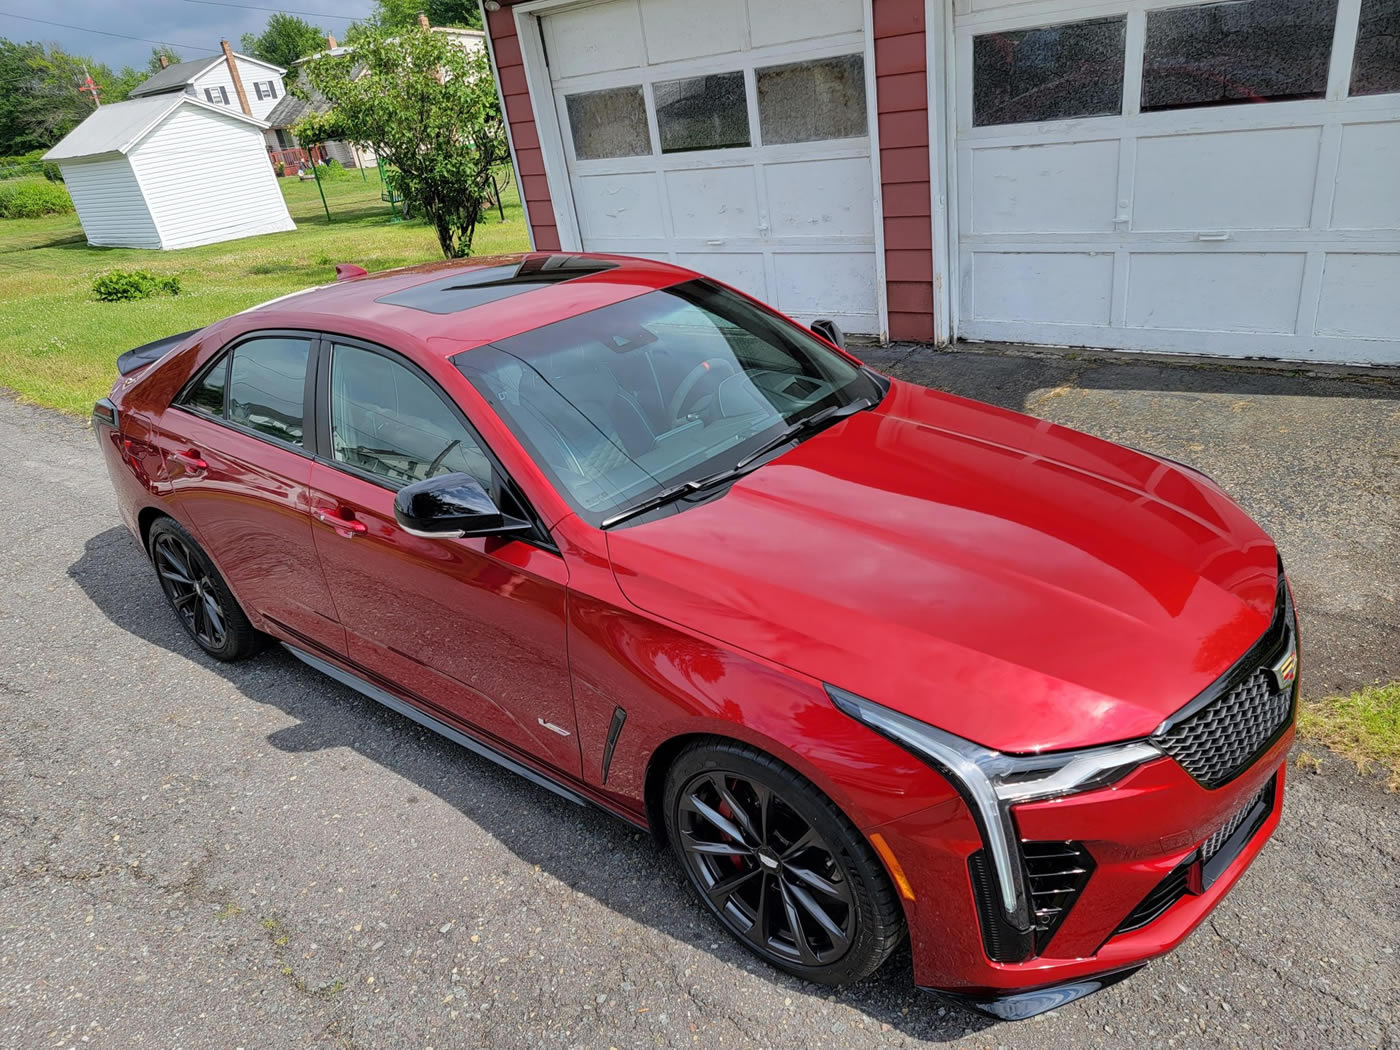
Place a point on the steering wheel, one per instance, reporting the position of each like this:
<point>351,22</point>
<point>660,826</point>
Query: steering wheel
<point>699,372</point>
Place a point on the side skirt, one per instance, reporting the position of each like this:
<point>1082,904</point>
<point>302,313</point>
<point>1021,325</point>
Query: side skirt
<point>438,726</point>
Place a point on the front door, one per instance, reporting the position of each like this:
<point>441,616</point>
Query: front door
<point>473,627</point>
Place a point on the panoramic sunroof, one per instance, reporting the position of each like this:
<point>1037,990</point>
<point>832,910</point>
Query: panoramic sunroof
<point>463,291</point>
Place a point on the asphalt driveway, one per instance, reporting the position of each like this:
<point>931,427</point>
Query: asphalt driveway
<point>195,855</point>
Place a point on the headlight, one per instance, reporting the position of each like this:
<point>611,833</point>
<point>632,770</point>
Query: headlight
<point>992,782</point>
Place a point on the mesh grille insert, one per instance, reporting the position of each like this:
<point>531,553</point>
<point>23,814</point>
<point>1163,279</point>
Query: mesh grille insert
<point>1222,738</point>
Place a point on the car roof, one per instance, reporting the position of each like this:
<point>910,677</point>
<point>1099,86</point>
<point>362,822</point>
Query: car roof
<point>455,305</point>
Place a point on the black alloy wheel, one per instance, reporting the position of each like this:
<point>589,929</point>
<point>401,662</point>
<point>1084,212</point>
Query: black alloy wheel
<point>199,595</point>
<point>780,866</point>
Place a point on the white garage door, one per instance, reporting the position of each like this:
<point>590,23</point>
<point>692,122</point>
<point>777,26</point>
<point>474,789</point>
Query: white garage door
<point>1220,178</point>
<point>727,136</point>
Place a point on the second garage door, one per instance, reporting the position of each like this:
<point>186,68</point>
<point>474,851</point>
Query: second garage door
<point>728,136</point>
<point>1214,178</point>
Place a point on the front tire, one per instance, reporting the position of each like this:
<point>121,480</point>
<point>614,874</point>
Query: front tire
<point>781,867</point>
<point>198,595</point>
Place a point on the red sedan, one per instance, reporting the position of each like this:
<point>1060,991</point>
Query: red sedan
<point>875,661</point>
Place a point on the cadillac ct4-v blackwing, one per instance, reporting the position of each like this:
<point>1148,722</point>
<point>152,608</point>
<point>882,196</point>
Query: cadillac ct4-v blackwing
<point>876,661</point>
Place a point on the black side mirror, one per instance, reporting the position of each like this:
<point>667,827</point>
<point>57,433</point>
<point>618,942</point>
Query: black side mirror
<point>830,331</point>
<point>451,505</point>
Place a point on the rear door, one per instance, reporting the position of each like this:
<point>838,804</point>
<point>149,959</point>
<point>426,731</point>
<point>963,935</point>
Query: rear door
<point>474,627</point>
<point>233,447</point>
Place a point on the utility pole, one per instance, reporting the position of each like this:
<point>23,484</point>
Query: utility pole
<point>89,88</point>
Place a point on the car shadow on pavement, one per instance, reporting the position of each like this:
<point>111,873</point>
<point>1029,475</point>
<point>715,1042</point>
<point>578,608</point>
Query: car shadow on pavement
<point>537,826</point>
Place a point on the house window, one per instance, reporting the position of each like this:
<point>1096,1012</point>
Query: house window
<point>1375,69</point>
<point>265,89</point>
<point>1225,53</point>
<point>217,95</point>
<point>708,112</point>
<point>806,101</point>
<point>1049,73</point>
<point>609,123</point>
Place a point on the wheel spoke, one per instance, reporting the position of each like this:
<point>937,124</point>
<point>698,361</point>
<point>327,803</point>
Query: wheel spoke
<point>213,615</point>
<point>179,578</point>
<point>721,890</point>
<point>175,557</point>
<point>716,818</point>
<point>759,929</point>
<point>184,600</point>
<point>725,849</point>
<point>199,618</point>
<point>839,890</point>
<point>809,904</point>
<point>805,841</point>
<point>795,924</point>
<point>752,834</point>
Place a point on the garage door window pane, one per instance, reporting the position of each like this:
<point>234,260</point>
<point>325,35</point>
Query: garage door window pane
<point>1221,54</point>
<point>806,101</point>
<point>1048,73</point>
<point>709,112</point>
<point>611,123</point>
<point>1375,69</point>
<point>266,386</point>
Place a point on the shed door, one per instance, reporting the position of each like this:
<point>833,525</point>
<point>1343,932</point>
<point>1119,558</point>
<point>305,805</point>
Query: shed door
<point>727,136</point>
<point>1216,178</point>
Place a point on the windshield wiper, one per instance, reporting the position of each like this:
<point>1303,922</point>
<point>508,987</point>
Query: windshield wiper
<point>690,488</point>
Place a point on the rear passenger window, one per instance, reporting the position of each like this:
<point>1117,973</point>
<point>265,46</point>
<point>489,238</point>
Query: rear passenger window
<point>388,422</point>
<point>267,385</point>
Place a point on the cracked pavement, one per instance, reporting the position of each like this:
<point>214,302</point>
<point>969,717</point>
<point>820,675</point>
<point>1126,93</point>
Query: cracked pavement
<point>196,855</point>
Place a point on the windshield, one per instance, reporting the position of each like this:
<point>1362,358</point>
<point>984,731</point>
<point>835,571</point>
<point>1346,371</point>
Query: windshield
<point>620,403</point>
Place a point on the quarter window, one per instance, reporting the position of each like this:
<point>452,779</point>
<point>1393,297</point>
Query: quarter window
<point>806,101</point>
<point>388,422</point>
<point>1226,53</point>
<point>1049,73</point>
<point>1375,68</point>
<point>610,123</point>
<point>267,385</point>
<point>709,112</point>
<point>208,394</point>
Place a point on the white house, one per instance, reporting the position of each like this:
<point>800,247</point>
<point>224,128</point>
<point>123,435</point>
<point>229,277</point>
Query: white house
<point>210,80</point>
<point>170,171</point>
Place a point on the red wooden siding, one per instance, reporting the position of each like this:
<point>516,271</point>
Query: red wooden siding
<point>901,95</point>
<point>510,72</point>
<point>901,98</point>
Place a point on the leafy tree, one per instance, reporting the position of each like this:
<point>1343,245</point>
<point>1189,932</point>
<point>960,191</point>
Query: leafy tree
<point>400,14</point>
<point>285,39</point>
<point>428,109</point>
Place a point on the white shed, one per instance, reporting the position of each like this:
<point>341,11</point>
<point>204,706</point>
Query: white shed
<point>168,172</point>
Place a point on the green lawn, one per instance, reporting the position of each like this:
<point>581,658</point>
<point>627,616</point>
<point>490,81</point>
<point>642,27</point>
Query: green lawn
<point>58,345</point>
<point>1365,727</point>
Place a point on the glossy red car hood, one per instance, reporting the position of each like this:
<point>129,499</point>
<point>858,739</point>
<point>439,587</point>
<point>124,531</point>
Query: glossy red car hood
<point>1020,584</point>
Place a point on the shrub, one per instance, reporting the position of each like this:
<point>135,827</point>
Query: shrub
<point>116,286</point>
<point>332,169</point>
<point>31,198</point>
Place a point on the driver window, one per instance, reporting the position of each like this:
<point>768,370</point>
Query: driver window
<point>388,422</point>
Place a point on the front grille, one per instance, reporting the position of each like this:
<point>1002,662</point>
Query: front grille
<point>1221,739</point>
<point>1057,873</point>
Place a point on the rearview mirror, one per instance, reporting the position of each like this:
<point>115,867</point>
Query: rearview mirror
<point>449,506</point>
<point>830,331</point>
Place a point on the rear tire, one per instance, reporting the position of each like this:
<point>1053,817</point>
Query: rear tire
<point>782,868</point>
<point>198,595</point>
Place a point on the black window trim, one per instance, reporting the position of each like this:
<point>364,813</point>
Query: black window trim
<point>318,403</point>
<point>222,359</point>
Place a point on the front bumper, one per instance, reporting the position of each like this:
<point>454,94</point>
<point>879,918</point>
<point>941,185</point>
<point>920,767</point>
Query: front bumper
<point>1138,832</point>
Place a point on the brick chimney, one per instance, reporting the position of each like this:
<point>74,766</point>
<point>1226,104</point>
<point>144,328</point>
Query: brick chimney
<point>164,61</point>
<point>330,42</point>
<point>422,20</point>
<point>237,80</point>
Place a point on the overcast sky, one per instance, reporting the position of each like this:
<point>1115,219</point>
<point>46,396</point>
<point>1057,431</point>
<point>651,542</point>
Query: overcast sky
<point>185,25</point>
